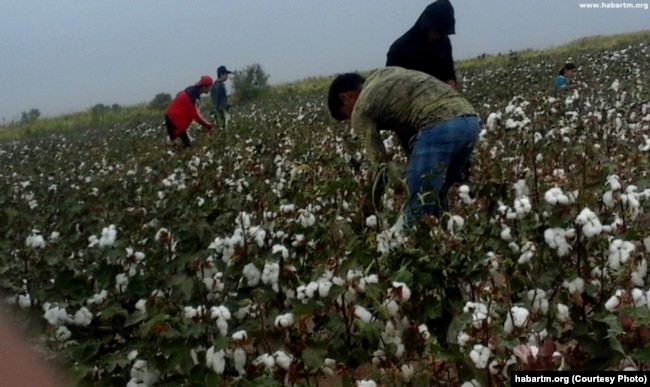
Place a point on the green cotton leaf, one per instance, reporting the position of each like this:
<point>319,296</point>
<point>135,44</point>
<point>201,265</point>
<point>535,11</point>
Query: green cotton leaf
<point>314,357</point>
<point>115,360</point>
<point>134,319</point>
<point>642,354</point>
<point>299,309</point>
<point>84,351</point>
<point>615,345</point>
<point>614,325</point>
<point>357,357</point>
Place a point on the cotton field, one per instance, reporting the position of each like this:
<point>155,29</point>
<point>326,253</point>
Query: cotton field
<point>246,259</point>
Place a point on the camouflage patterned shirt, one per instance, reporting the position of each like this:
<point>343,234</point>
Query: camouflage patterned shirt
<point>403,101</point>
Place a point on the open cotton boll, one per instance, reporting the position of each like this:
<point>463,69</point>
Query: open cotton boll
<point>252,274</point>
<point>517,318</point>
<point>471,383</point>
<point>614,301</point>
<point>284,320</point>
<point>371,221</point>
<point>479,313</point>
<point>539,300</point>
<point>562,313</point>
<point>35,240</point>
<point>83,317</point>
<point>366,383</point>
<point>619,252</point>
<point>282,359</point>
<point>239,358</point>
<point>480,355</point>
<point>527,252</point>
<point>455,224</point>
<point>265,359</point>
<point>362,314</point>
<point>216,360</point>
<point>109,234</point>
<point>576,285</point>
<point>400,291</point>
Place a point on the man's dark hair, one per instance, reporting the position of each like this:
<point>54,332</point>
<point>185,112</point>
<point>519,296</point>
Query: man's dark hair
<point>341,84</point>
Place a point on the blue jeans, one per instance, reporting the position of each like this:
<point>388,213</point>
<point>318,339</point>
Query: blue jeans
<point>435,164</point>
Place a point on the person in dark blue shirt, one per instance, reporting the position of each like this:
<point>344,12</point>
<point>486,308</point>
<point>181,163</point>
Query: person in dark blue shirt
<point>426,46</point>
<point>219,98</point>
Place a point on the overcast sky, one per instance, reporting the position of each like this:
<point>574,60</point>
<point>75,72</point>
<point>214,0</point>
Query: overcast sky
<point>62,56</point>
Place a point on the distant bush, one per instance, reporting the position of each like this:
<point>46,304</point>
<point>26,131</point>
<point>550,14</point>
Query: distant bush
<point>160,101</point>
<point>30,116</point>
<point>250,83</point>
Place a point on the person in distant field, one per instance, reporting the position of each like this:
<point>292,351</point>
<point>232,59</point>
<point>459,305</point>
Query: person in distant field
<point>184,109</point>
<point>219,98</point>
<point>435,125</point>
<point>426,46</point>
<point>566,78</point>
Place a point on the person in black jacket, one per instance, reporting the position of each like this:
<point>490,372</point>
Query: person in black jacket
<point>426,46</point>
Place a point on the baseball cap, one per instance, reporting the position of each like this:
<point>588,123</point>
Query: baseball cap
<point>223,70</point>
<point>205,80</point>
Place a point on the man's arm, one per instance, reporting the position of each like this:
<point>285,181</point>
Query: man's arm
<point>377,155</point>
<point>449,71</point>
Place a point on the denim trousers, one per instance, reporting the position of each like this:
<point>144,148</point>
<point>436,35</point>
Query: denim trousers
<point>438,156</point>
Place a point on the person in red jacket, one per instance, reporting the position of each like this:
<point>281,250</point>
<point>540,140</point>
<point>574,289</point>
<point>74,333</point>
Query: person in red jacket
<point>184,109</point>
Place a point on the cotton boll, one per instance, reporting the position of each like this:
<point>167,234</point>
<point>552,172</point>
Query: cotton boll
<point>284,320</point>
<point>366,383</point>
<point>62,333</point>
<point>527,252</point>
<point>283,360</point>
<point>480,356</point>
<point>35,240</point>
<point>638,276</point>
<point>463,338</point>
<point>239,358</point>
<point>506,233</point>
<point>362,314</point>
<point>252,274</point>
<point>141,305</point>
<point>371,221</point>
<point>455,224</point>
<point>401,291</point>
<point>612,303</point>
<point>83,317</point>
<point>517,317</point>
<point>265,359</point>
<point>407,372</point>
<point>324,288</point>
<point>392,307</point>
<point>639,297</point>
<point>539,300</point>
<point>423,330</point>
<point>563,313</point>
<point>216,360</point>
<point>479,313</point>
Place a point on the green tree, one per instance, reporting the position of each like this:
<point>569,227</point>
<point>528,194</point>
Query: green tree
<point>30,116</point>
<point>250,82</point>
<point>160,101</point>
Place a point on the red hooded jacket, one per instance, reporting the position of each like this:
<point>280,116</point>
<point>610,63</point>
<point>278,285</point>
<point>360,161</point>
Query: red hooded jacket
<point>182,110</point>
